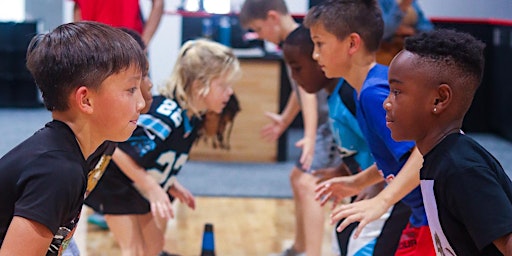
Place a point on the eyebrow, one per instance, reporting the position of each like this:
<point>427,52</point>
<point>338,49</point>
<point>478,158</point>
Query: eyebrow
<point>395,81</point>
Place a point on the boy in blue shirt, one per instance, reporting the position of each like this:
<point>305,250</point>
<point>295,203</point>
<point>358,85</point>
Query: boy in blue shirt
<point>375,240</point>
<point>346,36</point>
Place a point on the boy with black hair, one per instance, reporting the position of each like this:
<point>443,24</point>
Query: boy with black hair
<point>347,34</point>
<point>467,195</point>
<point>271,20</point>
<point>298,49</point>
<point>89,75</point>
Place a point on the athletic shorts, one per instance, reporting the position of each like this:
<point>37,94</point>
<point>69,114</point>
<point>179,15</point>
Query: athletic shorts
<point>326,150</point>
<point>116,194</point>
<point>416,241</point>
<point>378,238</point>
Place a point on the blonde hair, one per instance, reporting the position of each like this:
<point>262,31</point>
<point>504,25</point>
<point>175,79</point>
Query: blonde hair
<point>199,61</point>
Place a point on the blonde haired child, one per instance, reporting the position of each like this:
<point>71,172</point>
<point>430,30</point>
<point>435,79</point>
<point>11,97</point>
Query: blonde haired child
<point>135,193</point>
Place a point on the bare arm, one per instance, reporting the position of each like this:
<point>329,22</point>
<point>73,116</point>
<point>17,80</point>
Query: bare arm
<point>77,13</point>
<point>369,210</point>
<point>310,118</point>
<point>149,188</point>
<point>26,237</point>
<point>157,10</point>
<point>280,122</point>
<point>504,244</point>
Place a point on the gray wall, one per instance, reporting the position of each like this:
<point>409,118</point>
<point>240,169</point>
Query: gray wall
<point>498,9</point>
<point>49,13</point>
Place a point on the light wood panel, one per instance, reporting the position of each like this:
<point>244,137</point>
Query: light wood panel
<point>257,92</point>
<point>242,226</point>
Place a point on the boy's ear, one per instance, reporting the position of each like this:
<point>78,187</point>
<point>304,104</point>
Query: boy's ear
<point>82,99</point>
<point>273,15</point>
<point>443,98</point>
<point>355,42</point>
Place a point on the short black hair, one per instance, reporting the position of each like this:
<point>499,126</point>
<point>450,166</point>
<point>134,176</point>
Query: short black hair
<point>342,17</point>
<point>300,37</point>
<point>77,54</point>
<point>456,58</point>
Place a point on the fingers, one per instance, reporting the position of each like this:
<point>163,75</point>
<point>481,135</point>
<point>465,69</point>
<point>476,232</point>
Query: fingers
<point>162,210</point>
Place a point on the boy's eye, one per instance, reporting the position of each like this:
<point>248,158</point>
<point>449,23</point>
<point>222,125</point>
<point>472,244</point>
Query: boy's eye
<point>133,90</point>
<point>395,92</point>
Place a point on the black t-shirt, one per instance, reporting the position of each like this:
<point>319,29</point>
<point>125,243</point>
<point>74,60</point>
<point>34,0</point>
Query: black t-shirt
<point>467,197</point>
<point>44,179</point>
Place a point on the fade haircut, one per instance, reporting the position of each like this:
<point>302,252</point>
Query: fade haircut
<point>301,38</point>
<point>343,17</point>
<point>200,61</point>
<point>79,54</point>
<point>258,9</point>
<point>454,58</point>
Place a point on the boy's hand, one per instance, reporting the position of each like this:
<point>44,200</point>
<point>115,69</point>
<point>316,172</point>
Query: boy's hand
<point>158,199</point>
<point>363,212</point>
<point>336,189</point>
<point>271,132</point>
<point>183,194</point>
<point>308,152</point>
<point>370,191</point>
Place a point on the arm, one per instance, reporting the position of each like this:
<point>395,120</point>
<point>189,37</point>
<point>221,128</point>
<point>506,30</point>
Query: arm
<point>310,118</point>
<point>22,230</point>
<point>77,13</point>
<point>149,188</point>
<point>280,122</point>
<point>504,244</point>
<point>340,187</point>
<point>392,15</point>
<point>367,211</point>
<point>423,24</point>
<point>157,10</point>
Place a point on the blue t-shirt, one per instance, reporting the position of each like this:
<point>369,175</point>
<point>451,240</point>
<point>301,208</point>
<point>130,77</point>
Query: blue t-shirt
<point>389,155</point>
<point>345,129</point>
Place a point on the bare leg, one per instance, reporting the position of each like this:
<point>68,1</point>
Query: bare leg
<point>132,231</point>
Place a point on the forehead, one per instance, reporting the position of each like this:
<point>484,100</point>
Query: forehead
<point>318,32</point>
<point>257,24</point>
<point>404,61</point>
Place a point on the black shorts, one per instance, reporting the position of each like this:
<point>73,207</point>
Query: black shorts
<point>115,194</point>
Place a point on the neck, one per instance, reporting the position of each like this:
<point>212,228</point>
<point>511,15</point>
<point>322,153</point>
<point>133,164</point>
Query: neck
<point>288,25</point>
<point>435,137</point>
<point>358,74</point>
<point>81,131</point>
<point>330,85</point>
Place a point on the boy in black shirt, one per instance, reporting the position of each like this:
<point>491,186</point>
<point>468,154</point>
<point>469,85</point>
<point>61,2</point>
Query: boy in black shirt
<point>466,193</point>
<point>89,75</point>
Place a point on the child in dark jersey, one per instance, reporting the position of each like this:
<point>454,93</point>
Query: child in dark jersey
<point>89,75</point>
<point>134,194</point>
<point>467,195</point>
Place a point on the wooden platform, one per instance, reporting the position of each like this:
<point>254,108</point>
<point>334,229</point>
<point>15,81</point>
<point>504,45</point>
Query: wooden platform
<point>242,226</point>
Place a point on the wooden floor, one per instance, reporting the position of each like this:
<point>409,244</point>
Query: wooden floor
<point>242,226</point>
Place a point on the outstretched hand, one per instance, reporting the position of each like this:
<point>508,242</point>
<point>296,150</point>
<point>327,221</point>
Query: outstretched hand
<point>159,201</point>
<point>364,212</point>
<point>336,189</point>
<point>272,131</point>
<point>180,192</point>
<point>308,152</point>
